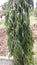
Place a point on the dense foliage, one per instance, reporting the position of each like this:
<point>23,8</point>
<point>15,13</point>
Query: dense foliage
<point>20,40</point>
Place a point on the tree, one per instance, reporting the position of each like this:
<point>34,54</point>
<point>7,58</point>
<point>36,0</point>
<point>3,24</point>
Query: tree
<point>20,40</point>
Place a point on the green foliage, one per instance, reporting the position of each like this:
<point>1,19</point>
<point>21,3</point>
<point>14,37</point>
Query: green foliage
<point>20,40</point>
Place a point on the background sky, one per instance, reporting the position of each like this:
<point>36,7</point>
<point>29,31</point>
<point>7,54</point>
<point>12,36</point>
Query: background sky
<point>3,1</point>
<point>35,3</point>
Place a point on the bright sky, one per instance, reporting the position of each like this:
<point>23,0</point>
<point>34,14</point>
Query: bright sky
<point>35,3</point>
<point>3,1</point>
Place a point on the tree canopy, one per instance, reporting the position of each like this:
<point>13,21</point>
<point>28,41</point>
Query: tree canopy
<point>20,40</point>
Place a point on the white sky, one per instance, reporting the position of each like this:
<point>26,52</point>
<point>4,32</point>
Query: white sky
<point>35,3</point>
<point>3,1</point>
